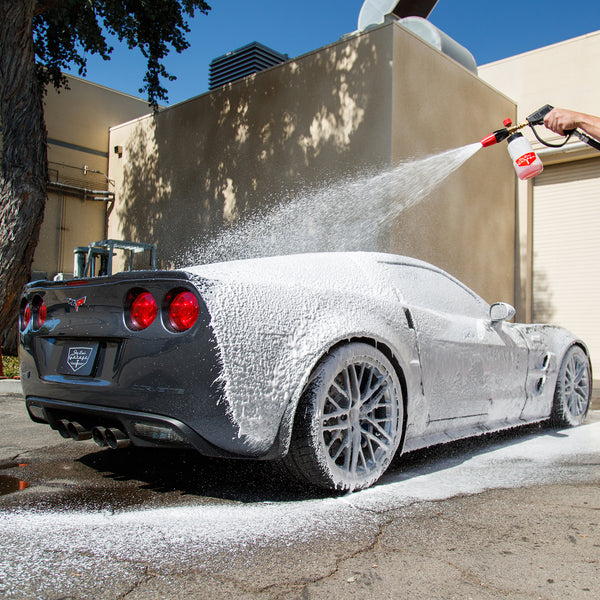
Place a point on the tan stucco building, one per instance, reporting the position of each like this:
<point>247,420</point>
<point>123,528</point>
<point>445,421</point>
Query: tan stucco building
<point>361,105</point>
<point>559,211</point>
<point>365,103</point>
<point>80,193</point>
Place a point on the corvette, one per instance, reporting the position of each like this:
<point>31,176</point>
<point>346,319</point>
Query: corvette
<point>331,362</point>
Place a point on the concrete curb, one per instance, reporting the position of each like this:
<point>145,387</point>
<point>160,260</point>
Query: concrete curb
<point>11,386</point>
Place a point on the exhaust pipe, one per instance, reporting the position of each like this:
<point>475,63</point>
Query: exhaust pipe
<point>62,427</point>
<point>115,438</point>
<point>98,435</point>
<point>78,432</point>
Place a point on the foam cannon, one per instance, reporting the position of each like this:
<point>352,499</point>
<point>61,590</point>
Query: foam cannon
<point>526,162</point>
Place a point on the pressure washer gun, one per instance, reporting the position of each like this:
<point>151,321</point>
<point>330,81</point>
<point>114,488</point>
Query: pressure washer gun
<point>526,162</point>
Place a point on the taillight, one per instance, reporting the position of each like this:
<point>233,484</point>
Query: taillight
<point>34,312</point>
<point>40,313</point>
<point>24,316</point>
<point>183,311</point>
<point>142,310</point>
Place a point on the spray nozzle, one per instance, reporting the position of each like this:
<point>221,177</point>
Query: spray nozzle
<point>501,134</point>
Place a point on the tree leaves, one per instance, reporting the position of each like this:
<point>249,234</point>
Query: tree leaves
<point>64,32</point>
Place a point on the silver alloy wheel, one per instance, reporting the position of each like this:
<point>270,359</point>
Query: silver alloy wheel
<point>349,421</point>
<point>573,388</point>
<point>359,421</point>
<point>577,385</point>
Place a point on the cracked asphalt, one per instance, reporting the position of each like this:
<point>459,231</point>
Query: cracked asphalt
<point>515,515</point>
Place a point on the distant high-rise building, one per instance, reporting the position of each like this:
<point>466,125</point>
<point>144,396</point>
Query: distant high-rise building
<point>242,62</point>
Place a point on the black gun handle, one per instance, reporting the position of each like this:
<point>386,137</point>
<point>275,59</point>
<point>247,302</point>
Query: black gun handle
<point>537,118</point>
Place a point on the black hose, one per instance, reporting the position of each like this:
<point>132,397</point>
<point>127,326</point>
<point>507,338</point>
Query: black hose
<point>545,143</point>
<point>582,136</point>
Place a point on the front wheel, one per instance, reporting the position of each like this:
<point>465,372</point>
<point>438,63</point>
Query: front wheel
<point>349,421</point>
<point>573,389</point>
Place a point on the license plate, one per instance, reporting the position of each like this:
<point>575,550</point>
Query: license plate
<point>78,359</point>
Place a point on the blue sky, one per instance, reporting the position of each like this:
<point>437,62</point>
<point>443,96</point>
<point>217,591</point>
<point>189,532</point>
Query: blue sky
<point>490,29</point>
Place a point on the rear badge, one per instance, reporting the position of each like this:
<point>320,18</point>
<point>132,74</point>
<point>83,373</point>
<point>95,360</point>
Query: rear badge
<point>76,303</point>
<point>78,360</point>
<point>79,357</point>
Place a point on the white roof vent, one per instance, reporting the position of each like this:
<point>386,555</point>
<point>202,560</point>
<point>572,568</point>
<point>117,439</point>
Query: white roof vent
<point>428,32</point>
<point>411,15</point>
<point>373,11</point>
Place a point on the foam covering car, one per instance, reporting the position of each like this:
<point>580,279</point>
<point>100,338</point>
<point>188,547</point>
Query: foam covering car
<point>329,362</point>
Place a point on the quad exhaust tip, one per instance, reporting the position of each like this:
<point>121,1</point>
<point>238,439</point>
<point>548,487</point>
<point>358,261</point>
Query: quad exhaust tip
<point>111,437</point>
<point>78,432</point>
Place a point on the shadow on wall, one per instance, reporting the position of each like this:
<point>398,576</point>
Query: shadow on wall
<point>201,166</point>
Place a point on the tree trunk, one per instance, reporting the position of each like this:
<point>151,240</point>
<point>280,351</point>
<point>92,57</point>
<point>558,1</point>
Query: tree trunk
<point>24,166</point>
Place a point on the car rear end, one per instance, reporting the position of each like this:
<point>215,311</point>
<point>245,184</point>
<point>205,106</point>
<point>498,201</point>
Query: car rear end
<point>124,359</point>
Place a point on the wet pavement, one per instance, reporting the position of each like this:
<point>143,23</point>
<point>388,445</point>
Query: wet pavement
<point>513,515</point>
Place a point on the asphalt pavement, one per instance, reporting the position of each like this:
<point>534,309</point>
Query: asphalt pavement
<point>513,515</point>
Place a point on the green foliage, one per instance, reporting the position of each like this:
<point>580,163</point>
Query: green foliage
<point>10,364</point>
<point>65,31</point>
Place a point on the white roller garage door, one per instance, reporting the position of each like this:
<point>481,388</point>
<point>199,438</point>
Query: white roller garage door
<point>566,245</point>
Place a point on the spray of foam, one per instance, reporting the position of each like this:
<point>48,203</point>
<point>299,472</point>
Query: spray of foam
<point>350,214</point>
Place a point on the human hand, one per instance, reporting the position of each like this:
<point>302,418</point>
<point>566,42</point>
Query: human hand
<point>560,120</point>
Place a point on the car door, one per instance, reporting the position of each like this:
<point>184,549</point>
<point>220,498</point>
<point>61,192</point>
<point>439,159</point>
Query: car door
<point>473,372</point>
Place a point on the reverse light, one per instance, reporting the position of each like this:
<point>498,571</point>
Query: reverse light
<point>183,311</point>
<point>158,432</point>
<point>142,310</point>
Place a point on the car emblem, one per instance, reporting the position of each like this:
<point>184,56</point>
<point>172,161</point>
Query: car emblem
<point>79,357</point>
<point>76,303</point>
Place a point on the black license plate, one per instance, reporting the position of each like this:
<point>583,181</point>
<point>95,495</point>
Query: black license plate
<point>78,359</point>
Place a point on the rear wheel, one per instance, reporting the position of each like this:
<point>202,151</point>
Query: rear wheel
<point>349,421</point>
<point>573,389</point>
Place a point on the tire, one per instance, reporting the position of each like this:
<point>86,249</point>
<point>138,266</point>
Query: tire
<point>349,420</point>
<point>573,389</point>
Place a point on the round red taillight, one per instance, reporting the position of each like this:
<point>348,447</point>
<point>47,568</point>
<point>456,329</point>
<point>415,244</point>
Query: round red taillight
<point>34,313</point>
<point>142,311</point>
<point>41,312</point>
<point>25,316</point>
<point>183,311</point>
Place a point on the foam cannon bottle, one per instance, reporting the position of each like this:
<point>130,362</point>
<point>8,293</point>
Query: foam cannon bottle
<point>526,162</point>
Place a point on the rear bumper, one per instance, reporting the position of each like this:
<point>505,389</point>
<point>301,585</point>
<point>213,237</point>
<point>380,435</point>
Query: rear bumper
<point>142,428</point>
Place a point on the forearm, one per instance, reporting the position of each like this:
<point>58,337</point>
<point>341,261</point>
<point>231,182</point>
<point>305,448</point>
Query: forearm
<point>590,124</point>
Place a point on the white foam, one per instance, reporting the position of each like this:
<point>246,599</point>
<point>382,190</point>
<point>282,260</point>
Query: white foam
<point>48,547</point>
<point>344,215</point>
<point>273,318</point>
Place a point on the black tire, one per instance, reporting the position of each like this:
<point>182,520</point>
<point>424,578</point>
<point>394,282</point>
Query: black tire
<point>349,420</point>
<point>573,389</point>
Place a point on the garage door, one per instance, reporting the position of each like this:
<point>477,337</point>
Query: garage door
<point>566,245</point>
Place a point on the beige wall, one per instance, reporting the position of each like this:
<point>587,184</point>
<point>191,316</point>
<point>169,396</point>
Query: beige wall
<point>467,226</point>
<point>563,75</point>
<point>368,102</point>
<point>78,122</point>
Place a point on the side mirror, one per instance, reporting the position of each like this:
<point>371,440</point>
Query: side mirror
<point>501,311</point>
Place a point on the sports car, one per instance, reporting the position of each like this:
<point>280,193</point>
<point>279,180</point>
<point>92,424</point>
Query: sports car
<point>330,362</point>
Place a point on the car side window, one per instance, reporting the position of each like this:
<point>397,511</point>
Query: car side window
<point>436,291</point>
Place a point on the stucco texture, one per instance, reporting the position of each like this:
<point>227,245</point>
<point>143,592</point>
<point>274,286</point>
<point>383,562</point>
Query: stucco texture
<point>363,104</point>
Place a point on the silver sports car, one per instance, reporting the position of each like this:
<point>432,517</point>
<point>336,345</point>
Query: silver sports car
<point>331,362</point>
